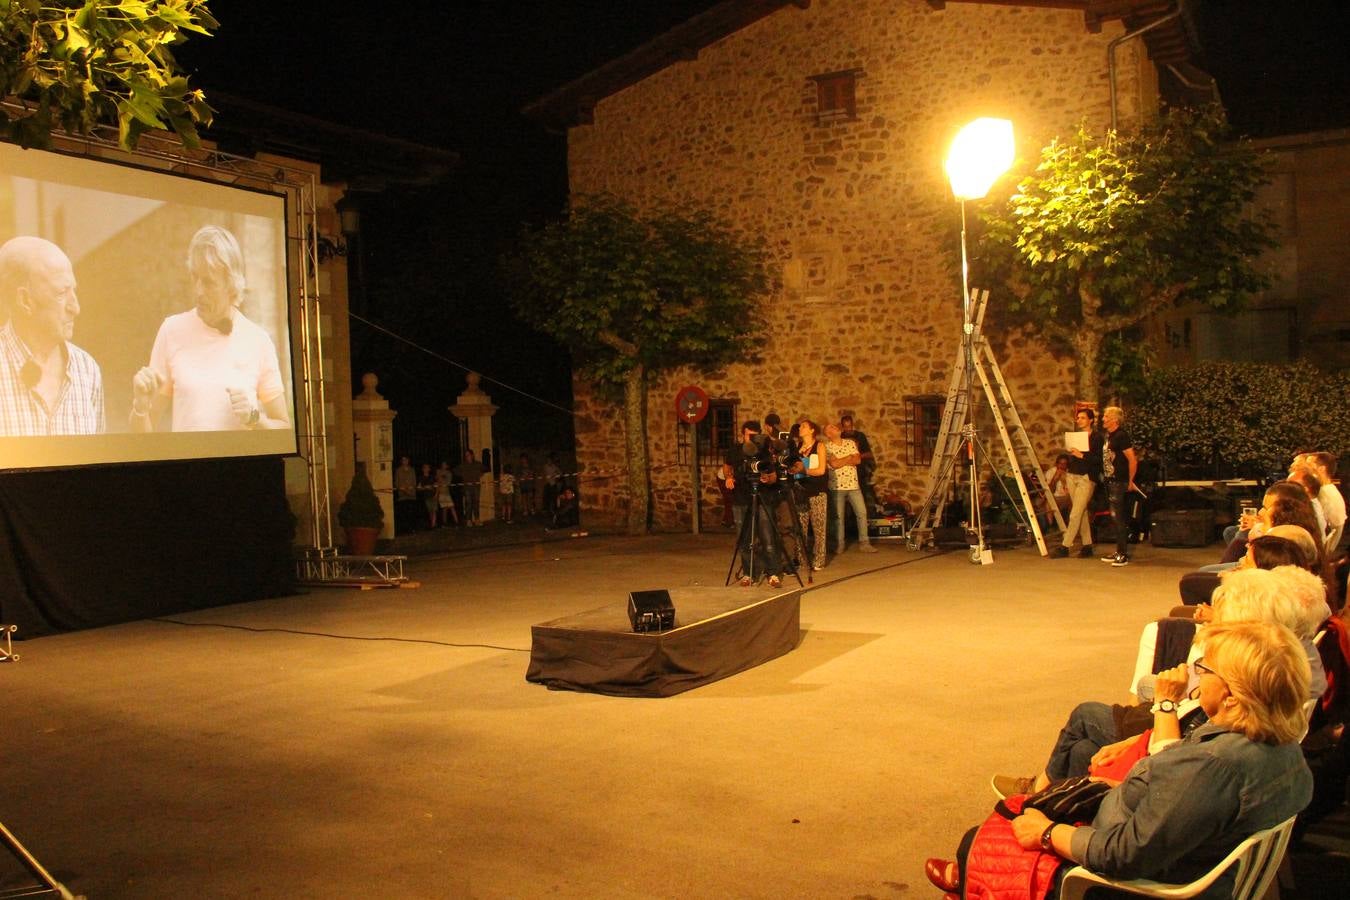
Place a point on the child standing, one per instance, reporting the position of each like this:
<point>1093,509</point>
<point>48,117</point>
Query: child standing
<point>507,486</point>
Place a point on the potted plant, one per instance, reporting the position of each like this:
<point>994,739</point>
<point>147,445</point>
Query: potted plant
<point>361,515</point>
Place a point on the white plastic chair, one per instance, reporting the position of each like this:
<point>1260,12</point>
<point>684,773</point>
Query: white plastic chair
<point>1257,859</point>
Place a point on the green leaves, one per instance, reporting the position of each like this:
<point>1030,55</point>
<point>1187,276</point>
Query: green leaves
<point>1241,418</point>
<point>1141,221</point>
<point>621,288</point>
<point>78,65</point>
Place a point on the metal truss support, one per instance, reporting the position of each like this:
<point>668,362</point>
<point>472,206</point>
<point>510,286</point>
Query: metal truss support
<point>299,187</point>
<point>346,571</point>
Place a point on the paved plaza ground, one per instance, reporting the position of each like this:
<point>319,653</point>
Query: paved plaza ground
<point>385,743</point>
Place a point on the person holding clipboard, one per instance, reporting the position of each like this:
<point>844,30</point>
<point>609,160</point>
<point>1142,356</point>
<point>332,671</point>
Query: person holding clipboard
<point>1085,470</point>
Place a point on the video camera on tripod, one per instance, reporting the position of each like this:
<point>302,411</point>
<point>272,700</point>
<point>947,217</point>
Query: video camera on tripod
<point>764,455</point>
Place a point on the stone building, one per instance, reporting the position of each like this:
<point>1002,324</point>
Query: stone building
<point>822,126</point>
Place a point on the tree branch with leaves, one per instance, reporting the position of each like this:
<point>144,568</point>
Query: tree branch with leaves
<point>1110,230</point>
<point>75,66</point>
<point>631,293</point>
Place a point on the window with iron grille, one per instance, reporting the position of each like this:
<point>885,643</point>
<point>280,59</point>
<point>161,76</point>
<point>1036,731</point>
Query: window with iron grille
<point>836,96</point>
<point>923,420</point>
<point>715,434</point>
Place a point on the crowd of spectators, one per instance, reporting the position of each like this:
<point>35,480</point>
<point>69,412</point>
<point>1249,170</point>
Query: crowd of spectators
<point>792,483</point>
<point>430,496</point>
<point>1230,691</point>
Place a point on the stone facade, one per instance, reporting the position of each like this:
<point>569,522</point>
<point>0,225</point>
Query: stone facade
<point>858,214</point>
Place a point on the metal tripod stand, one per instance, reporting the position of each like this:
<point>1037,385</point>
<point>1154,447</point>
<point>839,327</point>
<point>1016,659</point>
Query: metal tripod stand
<point>748,539</point>
<point>47,886</point>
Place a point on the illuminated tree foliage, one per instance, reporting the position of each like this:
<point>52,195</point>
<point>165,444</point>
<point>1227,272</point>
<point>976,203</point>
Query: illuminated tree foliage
<point>74,66</point>
<point>632,293</point>
<point>1225,419</point>
<point>1110,230</point>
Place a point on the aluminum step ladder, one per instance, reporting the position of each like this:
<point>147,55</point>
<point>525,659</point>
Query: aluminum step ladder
<point>952,438</point>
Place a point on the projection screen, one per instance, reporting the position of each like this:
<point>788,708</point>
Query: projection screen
<point>143,316</point>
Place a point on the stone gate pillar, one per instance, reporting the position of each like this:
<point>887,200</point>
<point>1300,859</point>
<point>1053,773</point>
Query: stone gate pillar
<point>474,409</point>
<point>373,422</point>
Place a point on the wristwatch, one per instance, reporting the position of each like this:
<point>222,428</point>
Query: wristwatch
<point>1164,706</point>
<point>1045,837</point>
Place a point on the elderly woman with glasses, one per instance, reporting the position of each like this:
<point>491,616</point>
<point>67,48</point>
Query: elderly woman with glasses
<point>1181,811</point>
<point>1096,733</point>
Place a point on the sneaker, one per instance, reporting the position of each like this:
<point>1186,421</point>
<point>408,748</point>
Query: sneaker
<point>745,581</point>
<point>1110,557</point>
<point>1087,552</point>
<point>1120,560</point>
<point>1059,552</point>
<point>866,548</point>
<point>1008,785</point>
<point>775,581</point>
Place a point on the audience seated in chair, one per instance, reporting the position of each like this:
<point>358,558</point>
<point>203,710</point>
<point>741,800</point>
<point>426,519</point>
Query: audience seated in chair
<point>1181,811</point>
<point>1096,733</point>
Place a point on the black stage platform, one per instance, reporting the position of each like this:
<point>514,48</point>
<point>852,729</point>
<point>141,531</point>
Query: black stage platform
<point>718,631</point>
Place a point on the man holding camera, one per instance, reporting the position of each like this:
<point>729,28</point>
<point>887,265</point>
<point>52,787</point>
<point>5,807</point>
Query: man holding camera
<point>749,468</point>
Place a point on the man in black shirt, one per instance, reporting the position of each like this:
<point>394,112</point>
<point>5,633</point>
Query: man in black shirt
<point>1119,464</point>
<point>868,464</point>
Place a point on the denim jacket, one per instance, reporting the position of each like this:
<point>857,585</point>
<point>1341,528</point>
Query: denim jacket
<point>1183,810</point>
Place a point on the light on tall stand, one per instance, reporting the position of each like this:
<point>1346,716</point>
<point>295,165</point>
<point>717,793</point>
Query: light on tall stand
<point>981,152</point>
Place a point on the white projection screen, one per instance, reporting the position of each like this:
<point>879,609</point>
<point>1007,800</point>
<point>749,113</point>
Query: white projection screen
<point>221,391</point>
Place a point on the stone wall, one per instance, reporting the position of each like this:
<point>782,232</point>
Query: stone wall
<point>858,214</point>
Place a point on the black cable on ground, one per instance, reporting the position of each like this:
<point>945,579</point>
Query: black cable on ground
<point>340,637</point>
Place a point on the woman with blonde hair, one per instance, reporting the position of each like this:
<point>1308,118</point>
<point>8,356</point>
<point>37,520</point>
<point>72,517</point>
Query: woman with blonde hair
<point>1097,734</point>
<point>1179,812</point>
<point>211,366</point>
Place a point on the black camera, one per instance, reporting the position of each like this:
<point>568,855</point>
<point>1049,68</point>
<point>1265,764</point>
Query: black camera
<point>766,455</point>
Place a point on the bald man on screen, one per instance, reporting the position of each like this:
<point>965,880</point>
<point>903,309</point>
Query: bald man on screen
<point>48,386</point>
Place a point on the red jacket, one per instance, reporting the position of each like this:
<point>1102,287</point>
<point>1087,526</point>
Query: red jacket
<point>997,868</point>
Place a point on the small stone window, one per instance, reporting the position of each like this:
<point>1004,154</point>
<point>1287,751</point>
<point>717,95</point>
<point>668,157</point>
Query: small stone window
<point>836,96</point>
<point>716,433</point>
<point>923,420</point>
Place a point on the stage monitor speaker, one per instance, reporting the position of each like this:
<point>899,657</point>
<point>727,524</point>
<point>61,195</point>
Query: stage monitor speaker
<point>651,610</point>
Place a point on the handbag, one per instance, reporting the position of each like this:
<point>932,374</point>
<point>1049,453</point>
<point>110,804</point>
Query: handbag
<point>1070,800</point>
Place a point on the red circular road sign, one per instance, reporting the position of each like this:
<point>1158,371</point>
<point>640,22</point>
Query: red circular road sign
<point>691,404</point>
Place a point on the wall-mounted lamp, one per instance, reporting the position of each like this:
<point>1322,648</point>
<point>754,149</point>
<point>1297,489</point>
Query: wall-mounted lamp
<point>329,247</point>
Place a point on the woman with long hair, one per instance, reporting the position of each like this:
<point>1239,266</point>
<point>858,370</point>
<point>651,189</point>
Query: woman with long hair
<point>811,482</point>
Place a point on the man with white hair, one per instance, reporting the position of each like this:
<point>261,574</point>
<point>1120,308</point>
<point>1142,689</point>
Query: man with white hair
<point>48,386</point>
<point>1119,465</point>
<point>212,366</point>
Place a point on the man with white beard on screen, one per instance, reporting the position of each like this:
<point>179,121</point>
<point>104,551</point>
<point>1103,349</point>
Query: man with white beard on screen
<point>48,386</point>
<point>216,368</point>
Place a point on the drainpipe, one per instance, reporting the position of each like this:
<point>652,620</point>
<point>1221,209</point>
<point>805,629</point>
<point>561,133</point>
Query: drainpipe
<point>1111,53</point>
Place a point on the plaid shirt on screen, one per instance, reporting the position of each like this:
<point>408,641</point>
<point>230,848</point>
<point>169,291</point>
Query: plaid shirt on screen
<point>23,413</point>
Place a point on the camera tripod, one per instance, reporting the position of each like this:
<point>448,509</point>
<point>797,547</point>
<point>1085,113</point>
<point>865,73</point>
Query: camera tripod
<point>749,540</point>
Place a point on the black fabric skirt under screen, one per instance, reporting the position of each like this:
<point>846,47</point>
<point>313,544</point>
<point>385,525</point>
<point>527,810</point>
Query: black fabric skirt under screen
<point>80,548</point>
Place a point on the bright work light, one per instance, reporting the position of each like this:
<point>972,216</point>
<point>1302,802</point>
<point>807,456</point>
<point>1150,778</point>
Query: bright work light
<point>981,152</point>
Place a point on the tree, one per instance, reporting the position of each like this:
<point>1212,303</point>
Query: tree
<point>1109,231</point>
<point>78,65</point>
<point>630,294</point>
